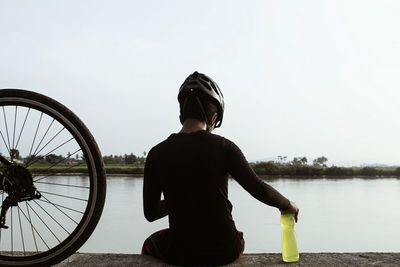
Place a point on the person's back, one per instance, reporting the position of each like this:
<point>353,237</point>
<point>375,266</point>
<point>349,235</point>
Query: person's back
<point>191,168</point>
<point>194,183</point>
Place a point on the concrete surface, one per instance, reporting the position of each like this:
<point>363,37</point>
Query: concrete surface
<point>270,259</point>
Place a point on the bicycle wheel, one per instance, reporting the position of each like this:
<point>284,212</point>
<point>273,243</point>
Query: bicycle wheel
<point>52,180</point>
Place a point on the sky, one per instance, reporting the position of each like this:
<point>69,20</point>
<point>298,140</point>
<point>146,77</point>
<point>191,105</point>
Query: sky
<point>300,78</point>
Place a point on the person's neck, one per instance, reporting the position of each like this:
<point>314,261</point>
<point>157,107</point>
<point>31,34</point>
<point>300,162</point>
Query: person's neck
<point>193,125</point>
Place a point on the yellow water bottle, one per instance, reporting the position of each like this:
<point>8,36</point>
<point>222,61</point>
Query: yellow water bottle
<point>290,253</point>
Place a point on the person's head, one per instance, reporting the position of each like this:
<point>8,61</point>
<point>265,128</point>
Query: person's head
<point>200,98</point>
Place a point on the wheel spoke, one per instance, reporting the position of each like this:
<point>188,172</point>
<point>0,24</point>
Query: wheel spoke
<point>36,153</point>
<point>30,222</point>
<point>56,206</point>
<point>41,140</point>
<point>35,229</point>
<point>2,199</point>
<point>60,161</point>
<point>12,238</point>
<point>22,129</point>
<point>44,223</point>
<point>15,123</point>
<point>33,162</point>
<point>51,217</point>
<point>61,206</point>
<point>8,137</point>
<point>8,149</point>
<point>34,138</point>
<point>49,175</point>
<point>20,227</point>
<point>69,185</point>
<point>54,194</point>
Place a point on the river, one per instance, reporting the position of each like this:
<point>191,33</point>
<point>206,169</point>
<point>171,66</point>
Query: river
<point>336,215</point>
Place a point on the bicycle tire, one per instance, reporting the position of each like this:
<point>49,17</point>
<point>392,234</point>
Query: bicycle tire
<point>97,177</point>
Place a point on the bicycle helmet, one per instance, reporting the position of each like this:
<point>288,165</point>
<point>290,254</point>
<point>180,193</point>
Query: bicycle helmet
<point>201,86</point>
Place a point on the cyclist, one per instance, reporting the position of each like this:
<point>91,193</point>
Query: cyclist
<point>191,169</point>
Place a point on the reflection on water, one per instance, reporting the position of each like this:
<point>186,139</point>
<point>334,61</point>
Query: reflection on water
<point>344,215</point>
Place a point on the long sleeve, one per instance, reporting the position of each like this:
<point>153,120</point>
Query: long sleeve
<point>154,208</point>
<point>241,171</point>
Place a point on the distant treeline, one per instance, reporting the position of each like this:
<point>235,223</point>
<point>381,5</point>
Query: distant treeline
<point>114,164</point>
<point>299,167</point>
<point>132,164</point>
<point>126,159</point>
<point>76,158</point>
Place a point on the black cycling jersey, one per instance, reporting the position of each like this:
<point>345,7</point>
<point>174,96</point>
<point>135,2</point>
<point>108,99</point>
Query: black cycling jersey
<point>191,170</point>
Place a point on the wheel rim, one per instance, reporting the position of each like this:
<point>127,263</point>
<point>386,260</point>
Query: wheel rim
<point>21,218</point>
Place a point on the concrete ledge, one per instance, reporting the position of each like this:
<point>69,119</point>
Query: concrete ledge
<point>270,259</point>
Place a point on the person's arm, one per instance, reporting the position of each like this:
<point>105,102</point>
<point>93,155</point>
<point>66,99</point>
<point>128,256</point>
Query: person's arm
<point>154,208</point>
<point>241,171</point>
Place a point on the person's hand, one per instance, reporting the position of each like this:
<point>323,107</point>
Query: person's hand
<point>292,209</point>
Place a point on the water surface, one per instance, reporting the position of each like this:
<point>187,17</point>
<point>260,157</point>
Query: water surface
<point>344,215</point>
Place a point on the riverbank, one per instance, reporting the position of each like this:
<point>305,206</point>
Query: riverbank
<point>267,259</point>
<point>265,170</point>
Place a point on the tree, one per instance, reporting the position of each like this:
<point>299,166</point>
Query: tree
<point>369,171</point>
<point>299,161</point>
<point>53,158</point>
<point>108,159</point>
<point>267,168</point>
<point>282,159</point>
<point>130,159</point>
<point>320,162</point>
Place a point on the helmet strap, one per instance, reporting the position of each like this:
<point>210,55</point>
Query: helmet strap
<point>204,114</point>
<point>184,103</point>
